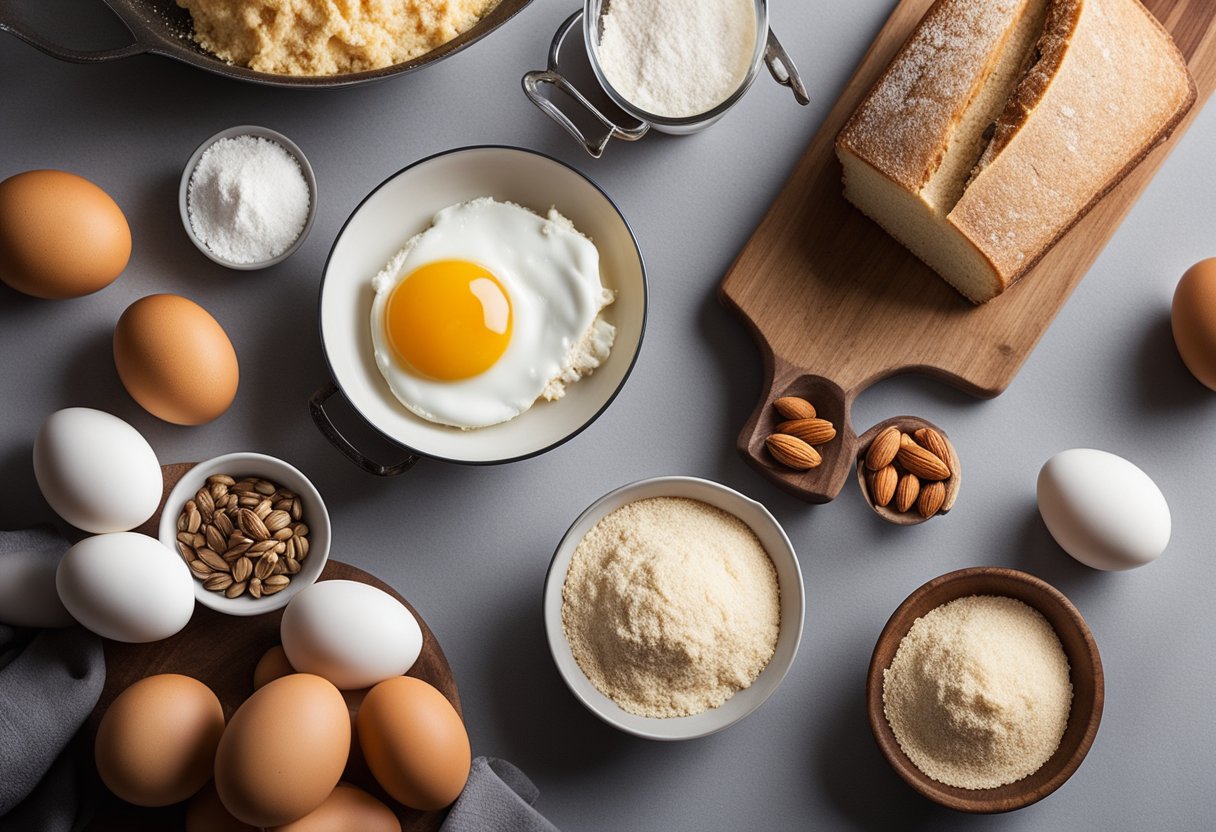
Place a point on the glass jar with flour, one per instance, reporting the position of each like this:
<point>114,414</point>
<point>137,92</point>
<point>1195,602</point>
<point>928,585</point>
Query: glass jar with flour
<point>675,66</point>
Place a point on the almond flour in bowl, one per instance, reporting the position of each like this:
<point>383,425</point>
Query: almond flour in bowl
<point>671,606</point>
<point>978,694</point>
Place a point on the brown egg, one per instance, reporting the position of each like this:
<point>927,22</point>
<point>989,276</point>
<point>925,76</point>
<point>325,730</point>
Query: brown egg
<point>205,813</point>
<point>283,751</point>
<point>1194,321</point>
<point>156,742</point>
<point>347,809</point>
<point>273,665</point>
<point>175,359</point>
<point>414,742</point>
<point>61,236</point>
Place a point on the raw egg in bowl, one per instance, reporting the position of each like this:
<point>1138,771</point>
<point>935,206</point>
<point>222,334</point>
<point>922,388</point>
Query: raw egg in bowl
<point>480,306</point>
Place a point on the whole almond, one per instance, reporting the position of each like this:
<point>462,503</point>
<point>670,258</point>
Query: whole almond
<point>252,524</point>
<point>218,583</point>
<point>810,431</point>
<point>265,566</point>
<point>223,522</point>
<point>213,560</point>
<point>242,568</point>
<point>205,503</point>
<point>931,498</point>
<point>934,443</point>
<point>906,492</point>
<point>270,585</point>
<point>792,452</point>
<point>882,485</point>
<point>924,464</point>
<point>198,567</point>
<point>234,590</point>
<point>277,520</point>
<point>216,540</point>
<point>255,587</point>
<point>792,407</point>
<point>193,520</point>
<point>883,448</point>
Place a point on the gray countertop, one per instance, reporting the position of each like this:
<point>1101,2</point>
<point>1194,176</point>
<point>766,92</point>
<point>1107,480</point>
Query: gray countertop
<point>470,546</point>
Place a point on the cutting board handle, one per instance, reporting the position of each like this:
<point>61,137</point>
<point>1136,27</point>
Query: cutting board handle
<point>832,402</point>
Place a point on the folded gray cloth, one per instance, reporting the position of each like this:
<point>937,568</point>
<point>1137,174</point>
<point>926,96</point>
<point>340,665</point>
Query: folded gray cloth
<point>28,560</point>
<point>50,681</point>
<point>497,798</point>
<point>53,806</point>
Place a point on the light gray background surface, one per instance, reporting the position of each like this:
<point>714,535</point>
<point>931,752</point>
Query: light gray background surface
<point>470,546</point>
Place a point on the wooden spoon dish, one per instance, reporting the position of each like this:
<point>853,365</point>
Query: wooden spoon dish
<point>907,424</point>
<point>1085,673</point>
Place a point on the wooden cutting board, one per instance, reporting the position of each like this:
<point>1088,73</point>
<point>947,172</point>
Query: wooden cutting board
<point>221,651</point>
<point>837,305</point>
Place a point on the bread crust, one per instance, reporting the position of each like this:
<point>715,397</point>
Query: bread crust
<point>1069,38</point>
<point>1103,85</point>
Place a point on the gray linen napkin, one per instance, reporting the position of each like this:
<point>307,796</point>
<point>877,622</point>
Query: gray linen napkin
<point>497,798</point>
<point>50,681</point>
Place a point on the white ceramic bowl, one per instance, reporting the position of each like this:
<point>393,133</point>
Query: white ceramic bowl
<point>279,472</point>
<point>403,206</point>
<point>183,193</point>
<point>789,578</point>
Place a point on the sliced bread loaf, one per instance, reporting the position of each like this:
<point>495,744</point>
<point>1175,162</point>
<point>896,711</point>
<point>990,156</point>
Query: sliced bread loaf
<point>1001,122</point>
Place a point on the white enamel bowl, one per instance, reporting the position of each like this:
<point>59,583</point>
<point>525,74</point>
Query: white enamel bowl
<point>403,206</point>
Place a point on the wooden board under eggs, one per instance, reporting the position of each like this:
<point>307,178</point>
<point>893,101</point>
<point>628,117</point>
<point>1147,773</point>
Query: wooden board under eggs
<point>222,651</point>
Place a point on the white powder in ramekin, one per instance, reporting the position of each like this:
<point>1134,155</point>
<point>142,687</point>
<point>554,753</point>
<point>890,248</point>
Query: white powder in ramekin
<point>677,58</point>
<point>248,199</point>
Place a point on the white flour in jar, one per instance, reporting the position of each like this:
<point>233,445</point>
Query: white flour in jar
<point>677,58</point>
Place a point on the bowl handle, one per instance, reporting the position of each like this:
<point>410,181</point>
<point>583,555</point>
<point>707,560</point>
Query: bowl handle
<point>782,68</point>
<point>11,22</point>
<point>316,408</point>
<point>533,82</point>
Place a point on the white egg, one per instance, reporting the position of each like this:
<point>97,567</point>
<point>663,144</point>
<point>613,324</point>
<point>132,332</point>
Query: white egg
<point>1103,510</point>
<point>126,587</point>
<point>350,633</point>
<point>96,471</point>
<point>486,311</point>
<point>28,598</point>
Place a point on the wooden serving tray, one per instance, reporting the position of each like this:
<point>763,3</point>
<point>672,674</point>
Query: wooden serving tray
<point>836,304</point>
<point>221,651</point>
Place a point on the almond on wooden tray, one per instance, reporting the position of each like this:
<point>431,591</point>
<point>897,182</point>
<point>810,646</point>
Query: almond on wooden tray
<point>794,439</point>
<point>908,471</point>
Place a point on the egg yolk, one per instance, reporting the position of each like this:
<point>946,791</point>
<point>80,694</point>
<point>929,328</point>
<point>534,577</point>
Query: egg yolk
<point>449,320</point>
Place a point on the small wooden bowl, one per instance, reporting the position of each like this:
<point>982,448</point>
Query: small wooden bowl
<point>907,424</point>
<point>1085,673</point>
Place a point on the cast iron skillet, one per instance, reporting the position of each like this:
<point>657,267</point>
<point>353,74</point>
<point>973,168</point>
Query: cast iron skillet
<point>160,27</point>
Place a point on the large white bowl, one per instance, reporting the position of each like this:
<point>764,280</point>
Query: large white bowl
<point>403,206</point>
<point>279,472</point>
<point>789,579</point>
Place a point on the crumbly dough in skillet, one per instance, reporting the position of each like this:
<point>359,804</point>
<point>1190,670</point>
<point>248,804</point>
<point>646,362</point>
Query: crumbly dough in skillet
<point>328,37</point>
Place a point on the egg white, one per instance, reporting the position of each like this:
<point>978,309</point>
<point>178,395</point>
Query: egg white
<point>551,274</point>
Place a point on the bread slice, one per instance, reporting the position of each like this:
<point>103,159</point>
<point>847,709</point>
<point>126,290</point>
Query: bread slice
<point>1002,122</point>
